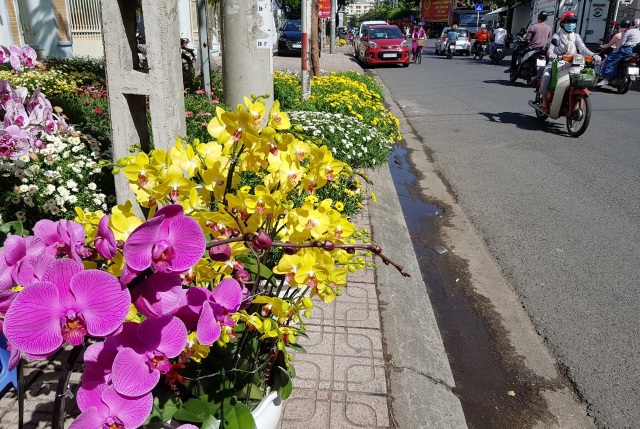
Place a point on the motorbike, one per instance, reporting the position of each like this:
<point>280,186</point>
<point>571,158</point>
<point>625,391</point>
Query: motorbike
<point>570,97</point>
<point>451,48</point>
<point>187,54</point>
<point>628,71</point>
<point>481,50</point>
<point>497,54</point>
<point>530,66</point>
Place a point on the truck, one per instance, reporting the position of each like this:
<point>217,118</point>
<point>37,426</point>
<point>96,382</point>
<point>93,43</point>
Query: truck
<point>592,16</point>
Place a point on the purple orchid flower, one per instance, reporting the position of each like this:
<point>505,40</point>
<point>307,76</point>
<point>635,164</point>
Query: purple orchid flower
<point>4,54</point>
<point>212,309</point>
<point>62,238</point>
<point>136,369</point>
<point>16,114</point>
<point>68,304</point>
<point>17,260</point>
<point>6,298</point>
<point>105,240</point>
<point>159,294</point>
<point>106,408</point>
<point>170,242</point>
<point>14,142</point>
<point>15,58</point>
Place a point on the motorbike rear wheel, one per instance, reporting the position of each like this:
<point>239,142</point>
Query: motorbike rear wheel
<point>449,53</point>
<point>578,116</point>
<point>624,87</point>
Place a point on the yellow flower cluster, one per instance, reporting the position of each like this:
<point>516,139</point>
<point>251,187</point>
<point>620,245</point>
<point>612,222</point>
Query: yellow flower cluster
<point>50,82</point>
<point>247,180</point>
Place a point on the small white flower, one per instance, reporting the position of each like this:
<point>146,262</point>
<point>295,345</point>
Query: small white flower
<point>92,186</point>
<point>50,189</point>
<point>21,216</point>
<point>72,199</point>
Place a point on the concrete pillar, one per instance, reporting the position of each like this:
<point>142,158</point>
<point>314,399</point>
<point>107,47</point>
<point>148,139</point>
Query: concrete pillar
<point>247,50</point>
<point>128,85</point>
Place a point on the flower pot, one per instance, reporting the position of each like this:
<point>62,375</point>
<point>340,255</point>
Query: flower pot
<point>268,412</point>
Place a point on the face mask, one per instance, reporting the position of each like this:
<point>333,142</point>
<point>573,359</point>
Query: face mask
<point>570,27</point>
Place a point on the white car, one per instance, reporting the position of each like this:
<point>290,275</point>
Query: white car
<point>363,27</point>
<point>463,46</point>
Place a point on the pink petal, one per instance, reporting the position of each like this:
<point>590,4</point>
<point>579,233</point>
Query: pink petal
<point>105,241</point>
<point>15,248</point>
<point>98,359</point>
<point>170,211</point>
<point>228,294</point>
<point>32,323</point>
<point>131,375</point>
<point>188,241</point>
<point>60,272</point>
<point>160,294</point>
<point>92,397</point>
<point>127,337</point>
<point>208,329</point>
<point>91,418</point>
<point>166,334</point>
<point>105,311</point>
<point>47,231</point>
<point>6,281</point>
<point>131,411</point>
<point>139,245</point>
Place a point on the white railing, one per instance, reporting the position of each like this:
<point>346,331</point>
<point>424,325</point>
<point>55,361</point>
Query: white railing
<point>86,21</point>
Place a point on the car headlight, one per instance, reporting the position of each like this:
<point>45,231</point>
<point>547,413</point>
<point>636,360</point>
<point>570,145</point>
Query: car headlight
<point>404,44</point>
<point>372,45</point>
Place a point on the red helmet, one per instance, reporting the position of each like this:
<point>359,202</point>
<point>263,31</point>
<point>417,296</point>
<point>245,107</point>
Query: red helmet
<point>569,16</point>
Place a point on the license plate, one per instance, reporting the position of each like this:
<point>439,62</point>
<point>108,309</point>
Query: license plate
<point>297,46</point>
<point>389,55</point>
<point>634,70</point>
<point>541,62</point>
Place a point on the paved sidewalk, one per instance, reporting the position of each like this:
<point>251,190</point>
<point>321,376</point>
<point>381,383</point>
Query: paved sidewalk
<point>375,358</point>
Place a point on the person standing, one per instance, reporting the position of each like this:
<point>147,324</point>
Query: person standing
<point>537,37</point>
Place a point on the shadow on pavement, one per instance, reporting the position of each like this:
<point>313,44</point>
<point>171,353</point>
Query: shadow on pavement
<point>507,82</point>
<point>527,122</point>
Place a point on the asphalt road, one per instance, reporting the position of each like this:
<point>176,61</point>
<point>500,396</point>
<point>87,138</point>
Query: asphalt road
<point>561,215</point>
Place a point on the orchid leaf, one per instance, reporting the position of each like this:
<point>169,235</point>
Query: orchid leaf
<point>282,382</point>
<point>250,264</point>
<point>211,423</point>
<point>165,406</point>
<point>297,347</point>
<point>12,228</point>
<point>233,414</point>
<point>194,411</point>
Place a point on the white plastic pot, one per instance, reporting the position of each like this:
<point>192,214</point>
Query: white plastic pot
<point>268,412</point>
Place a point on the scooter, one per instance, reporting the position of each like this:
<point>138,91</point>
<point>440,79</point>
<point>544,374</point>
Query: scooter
<point>628,72</point>
<point>187,54</point>
<point>530,66</point>
<point>481,50</point>
<point>497,54</point>
<point>570,98</point>
<point>451,48</point>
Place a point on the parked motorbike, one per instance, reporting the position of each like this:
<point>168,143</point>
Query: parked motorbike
<point>570,98</point>
<point>481,50</point>
<point>530,66</point>
<point>497,54</point>
<point>628,71</point>
<point>187,54</point>
<point>451,48</point>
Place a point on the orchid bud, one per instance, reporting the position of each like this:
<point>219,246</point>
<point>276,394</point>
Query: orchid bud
<point>290,250</point>
<point>261,241</point>
<point>328,245</point>
<point>243,276</point>
<point>235,232</point>
<point>351,250</point>
<point>33,156</point>
<point>220,252</point>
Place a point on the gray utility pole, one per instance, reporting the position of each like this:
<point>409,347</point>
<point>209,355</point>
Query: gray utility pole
<point>332,39</point>
<point>247,50</point>
<point>203,59</point>
<point>305,12</point>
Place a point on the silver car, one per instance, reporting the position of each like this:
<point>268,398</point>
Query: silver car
<point>463,46</point>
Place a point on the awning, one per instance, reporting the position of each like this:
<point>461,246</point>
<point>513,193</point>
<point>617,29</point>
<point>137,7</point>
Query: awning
<point>497,11</point>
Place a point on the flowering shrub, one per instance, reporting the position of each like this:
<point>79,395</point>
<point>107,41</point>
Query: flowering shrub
<point>63,172</point>
<point>50,82</point>
<point>200,303</point>
<point>351,141</point>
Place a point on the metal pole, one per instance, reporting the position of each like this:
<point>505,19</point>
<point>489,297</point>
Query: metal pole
<point>205,61</point>
<point>332,39</point>
<point>306,30</point>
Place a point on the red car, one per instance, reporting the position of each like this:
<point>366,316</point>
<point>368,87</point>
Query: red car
<point>384,44</point>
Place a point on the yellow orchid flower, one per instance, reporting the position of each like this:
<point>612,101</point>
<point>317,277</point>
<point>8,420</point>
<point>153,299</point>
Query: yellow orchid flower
<point>277,119</point>
<point>194,350</point>
<point>217,127</point>
<point>175,185</point>
<point>256,109</point>
<point>123,223</point>
<point>184,156</point>
<point>140,171</point>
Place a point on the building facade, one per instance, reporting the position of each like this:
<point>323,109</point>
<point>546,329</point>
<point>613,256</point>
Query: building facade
<point>359,7</point>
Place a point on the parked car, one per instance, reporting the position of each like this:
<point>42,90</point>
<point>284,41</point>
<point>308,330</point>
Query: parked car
<point>363,27</point>
<point>290,40</point>
<point>383,44</point>
<point>463,46</point>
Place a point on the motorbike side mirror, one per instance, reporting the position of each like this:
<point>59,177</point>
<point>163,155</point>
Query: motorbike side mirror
<point>554,42</point>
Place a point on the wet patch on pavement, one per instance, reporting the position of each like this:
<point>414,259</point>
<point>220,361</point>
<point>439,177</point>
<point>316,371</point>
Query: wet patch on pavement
<point>496,389</point>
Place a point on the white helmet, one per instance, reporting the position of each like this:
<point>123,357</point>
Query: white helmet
<point>483,26</point>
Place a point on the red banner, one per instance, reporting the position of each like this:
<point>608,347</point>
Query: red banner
<point>435,10</point>
<point>325,9</point>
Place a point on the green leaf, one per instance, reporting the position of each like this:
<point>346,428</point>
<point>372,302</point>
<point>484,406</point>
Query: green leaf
<point>251,265</point>
<point>211,423</point>
<point>297,347</point>
<point>164,407</point>
<point>282,382</point>
<point>194,411</point>
<point>235,415</point>
<point>12,228</point>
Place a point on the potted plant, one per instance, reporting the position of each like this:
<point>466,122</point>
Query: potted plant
<point>189,314</point>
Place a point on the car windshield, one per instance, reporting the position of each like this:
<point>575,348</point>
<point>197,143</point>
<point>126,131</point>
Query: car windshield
<point>385,33</point>
<point>292,26</point>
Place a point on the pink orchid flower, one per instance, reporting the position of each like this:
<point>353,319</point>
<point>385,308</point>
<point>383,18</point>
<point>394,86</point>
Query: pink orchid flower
<point>62,238</point>
<point>170,242</point>
<point>106,408</point>
<point>17,260</point>
<point>105,240</point>
<point>158,295</point>
<point>68,304</point>
<point>213,309</point>
<point>137,368</point>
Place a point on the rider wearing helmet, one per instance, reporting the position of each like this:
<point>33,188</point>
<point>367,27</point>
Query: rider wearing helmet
<point>630,38</point>
<point>537,38</point>
<point>498,37</point>
<point>482,35</point>
<point>568,42</point>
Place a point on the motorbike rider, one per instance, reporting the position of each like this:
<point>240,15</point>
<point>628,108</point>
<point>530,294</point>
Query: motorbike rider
<point>570,43</point>
<point>452,35</point>
<point>630,38</point>
<point>498,37</point>
<point>537,37</point>
<point>482,35</point>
